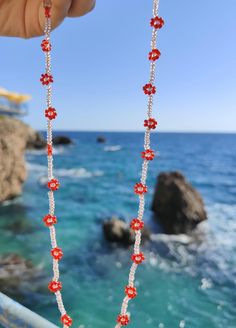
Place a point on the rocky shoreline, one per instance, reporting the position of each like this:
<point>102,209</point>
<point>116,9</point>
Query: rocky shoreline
<point>18,274</point>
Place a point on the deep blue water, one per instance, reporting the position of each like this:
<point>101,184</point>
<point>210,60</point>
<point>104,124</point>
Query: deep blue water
<point>182,284</point>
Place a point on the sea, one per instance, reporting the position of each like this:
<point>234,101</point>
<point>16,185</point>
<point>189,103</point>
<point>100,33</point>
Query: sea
<point>185,282</point>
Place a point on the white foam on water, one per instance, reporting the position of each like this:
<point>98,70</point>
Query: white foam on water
<point>112,148</point>
<point>206,284</point>
<point>10,202</point>
<point>39,152</point>
<point>216,210</point>
<point>78,173</point>
<point>36,167</point>
<point>182,238</point>
<point>35,152</point>
<point>43,180</point>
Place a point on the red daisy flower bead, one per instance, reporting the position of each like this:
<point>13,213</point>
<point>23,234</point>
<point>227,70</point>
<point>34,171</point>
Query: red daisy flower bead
<point>50,220</point>
<point>49,149</point>
<point>136,224</point>
<point>157,22</point>
<point>138,258</point>
<point>149,89</point>
<point>150,123</point>
<point>47,11</point>
<point>53,184</point>
<point>140,189</point>
<point>46,79</point>
<point>131,292</point>
<point>154,54</point>
<point>46,45</point>
<point>148,154</point>
<point>54,286</point>
<point>50,113</point>
<point>123,319</point>
<point>57,253</point>
<point>66,320</point>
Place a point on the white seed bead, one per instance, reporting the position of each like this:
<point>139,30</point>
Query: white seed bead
<point>132,274</point>
<point>141,207</point>
<point>60,303</point>
<point>53,236</point>
<point>56,270</point>
<point>137,242</point>
<point>51,202</point>
<point>124,306</point>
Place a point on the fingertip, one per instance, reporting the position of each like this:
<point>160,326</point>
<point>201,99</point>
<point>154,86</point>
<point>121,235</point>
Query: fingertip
<point>81,7</point>
<point>60,9</point>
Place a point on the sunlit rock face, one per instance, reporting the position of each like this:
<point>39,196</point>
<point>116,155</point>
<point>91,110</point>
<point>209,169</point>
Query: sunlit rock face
<point>15,137</point>
<point>177,206</point>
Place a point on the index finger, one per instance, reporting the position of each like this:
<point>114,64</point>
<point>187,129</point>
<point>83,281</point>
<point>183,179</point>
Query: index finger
<point>81,7</point>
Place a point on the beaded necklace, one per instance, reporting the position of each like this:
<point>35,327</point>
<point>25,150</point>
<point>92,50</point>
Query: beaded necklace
<point>140,188</point>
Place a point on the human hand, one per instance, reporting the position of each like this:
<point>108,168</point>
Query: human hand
<point>25,18</point>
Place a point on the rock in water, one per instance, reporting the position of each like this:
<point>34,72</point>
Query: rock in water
<point>61,140</point>
<point>177,206</point>
<point>36,141</point>
<point>17,274</point>
<point>101,139</point>
<point>14,137</point>
<point>117,230</point>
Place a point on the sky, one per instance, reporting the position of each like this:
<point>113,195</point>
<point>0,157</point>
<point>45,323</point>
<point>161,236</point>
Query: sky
<point>100,65</point>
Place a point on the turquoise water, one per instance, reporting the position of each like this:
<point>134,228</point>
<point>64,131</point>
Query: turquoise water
<point>182,284</point>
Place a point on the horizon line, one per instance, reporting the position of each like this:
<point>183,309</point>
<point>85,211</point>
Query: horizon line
<point>142,131</point>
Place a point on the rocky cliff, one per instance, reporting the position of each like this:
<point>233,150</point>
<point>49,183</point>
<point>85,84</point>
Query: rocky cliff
<point>15,137</point>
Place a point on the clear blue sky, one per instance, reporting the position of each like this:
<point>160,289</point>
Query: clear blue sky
<point>100,65</point>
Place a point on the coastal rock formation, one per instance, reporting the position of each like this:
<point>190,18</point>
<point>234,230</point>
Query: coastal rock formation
<point>177,206</point>
<point>16,273</point>
<point>61,140</point>
<point>117,230</point>
<point>14,138</point>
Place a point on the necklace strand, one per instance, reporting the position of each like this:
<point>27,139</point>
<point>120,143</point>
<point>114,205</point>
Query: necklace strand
<point>140,188</point>
<point>50,219</point>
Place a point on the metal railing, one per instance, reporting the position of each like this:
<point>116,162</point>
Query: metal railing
<point>14,315</point>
